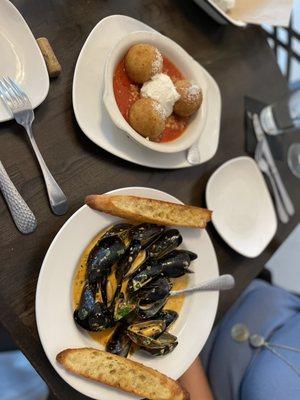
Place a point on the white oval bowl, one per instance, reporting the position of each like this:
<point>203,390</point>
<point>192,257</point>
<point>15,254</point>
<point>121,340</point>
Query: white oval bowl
<point>183,61</point>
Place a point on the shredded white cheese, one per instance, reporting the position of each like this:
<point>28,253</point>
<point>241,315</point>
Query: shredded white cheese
<point>161,89</point>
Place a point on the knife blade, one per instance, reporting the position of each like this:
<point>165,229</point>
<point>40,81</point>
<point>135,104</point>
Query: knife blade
<point>260,136</point>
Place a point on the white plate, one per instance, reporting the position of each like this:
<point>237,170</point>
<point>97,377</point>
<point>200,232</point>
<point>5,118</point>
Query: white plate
<point>212,9</point>
<point>243,211</point>
<point>91,114</point>
<point>57,329</point>
<point>21,58</point>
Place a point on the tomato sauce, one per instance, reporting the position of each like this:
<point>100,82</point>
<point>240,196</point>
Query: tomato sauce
<point>127,92</point>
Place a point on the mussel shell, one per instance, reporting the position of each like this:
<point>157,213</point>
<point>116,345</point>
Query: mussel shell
<point>191,254</point>
<point>87,301</point>
<point>123,307</point>
<point>83,323</point>
<point>160,346</point>
<point>120,230</point>
<point>149,328</point>
<point>157,289</point>
<point>146,232</point>
<point>101,318</point>
<point>137,265</point>
<point>168,316</point>
<point>161,351</point>
<point>148,311</point>
<point>127,259</point>
<point>151,269</point>
<point>166,242</point>
<point>119,343</point>
<point>175,264</point>
<point>104,254</point>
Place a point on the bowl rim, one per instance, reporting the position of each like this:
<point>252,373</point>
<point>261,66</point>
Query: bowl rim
<point>187,138</point>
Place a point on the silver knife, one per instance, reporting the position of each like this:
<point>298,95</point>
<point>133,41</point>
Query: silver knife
<point>260,136</point>
<point>21,213</point>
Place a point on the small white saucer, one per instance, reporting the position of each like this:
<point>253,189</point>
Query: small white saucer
<point>243,211</point>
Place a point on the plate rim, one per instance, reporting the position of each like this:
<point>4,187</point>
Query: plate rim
<point>11,6</point>
<point>43,266</point>
<point>207,199</point>
<point>210,81</point>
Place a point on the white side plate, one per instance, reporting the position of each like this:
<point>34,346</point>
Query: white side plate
<point>218,14</point>
<point>243,211</point>
<point>54,315</point>
<point>91,114</point>
<point>21,58</point>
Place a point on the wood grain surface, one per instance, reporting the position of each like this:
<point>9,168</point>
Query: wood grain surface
<point>242,64</point>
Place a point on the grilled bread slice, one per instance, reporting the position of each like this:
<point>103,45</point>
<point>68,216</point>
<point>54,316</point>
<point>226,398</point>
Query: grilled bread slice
<point>121,373</point>
<point>149,210</point>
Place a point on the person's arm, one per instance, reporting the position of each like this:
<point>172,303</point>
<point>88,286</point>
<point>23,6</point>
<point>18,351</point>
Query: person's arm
<point>195,382</point>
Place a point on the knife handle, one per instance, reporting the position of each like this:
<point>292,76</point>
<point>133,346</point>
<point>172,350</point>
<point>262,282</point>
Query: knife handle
<point>21,213</point>
<point>283,192</point>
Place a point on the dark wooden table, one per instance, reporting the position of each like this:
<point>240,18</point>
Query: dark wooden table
<point>241,62</point>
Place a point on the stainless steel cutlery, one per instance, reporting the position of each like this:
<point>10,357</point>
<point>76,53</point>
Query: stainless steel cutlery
<point>223,282</point>
<point>19,105</point>
<point>267,165</point>
<point>21,213</point>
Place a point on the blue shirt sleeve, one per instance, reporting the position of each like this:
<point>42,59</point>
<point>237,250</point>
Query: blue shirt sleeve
<point>230,365</point>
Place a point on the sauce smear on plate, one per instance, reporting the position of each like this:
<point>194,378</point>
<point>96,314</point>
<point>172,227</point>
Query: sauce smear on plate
<point>127,92</point>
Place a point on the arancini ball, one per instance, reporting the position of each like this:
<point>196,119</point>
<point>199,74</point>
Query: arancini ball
<point>148,118</point>
<point>190,98</point>
<point>142,61</point>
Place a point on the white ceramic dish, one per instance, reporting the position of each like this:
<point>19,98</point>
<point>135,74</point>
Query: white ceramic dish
<point>243,211</point>
<point>212,9</point>
<point>21,58</point>
<point>91,114</point>
<point>183,61</point>
<point>57,329</point>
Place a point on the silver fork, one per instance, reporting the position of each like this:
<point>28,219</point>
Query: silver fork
<point>264,167</point>
<point>19,105</point>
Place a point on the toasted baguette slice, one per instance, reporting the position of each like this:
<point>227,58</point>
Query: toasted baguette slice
<point>149,210</point>
<point>121,373</point>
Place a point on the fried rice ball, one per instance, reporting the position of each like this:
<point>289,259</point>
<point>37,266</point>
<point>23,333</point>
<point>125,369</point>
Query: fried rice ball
<point>142,61</point>
<point>148,118</point>
<point>190,98</point>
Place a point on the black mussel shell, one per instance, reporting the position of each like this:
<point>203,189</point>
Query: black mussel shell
<point>146,233</point>
<point>150,270</point>
<point>127,259</point>
<point>119,343</point>
<point>83,323</point>
<point>120,230</point>
<point>191,254</point>
<point>155,290</point>
<point>168,348</point>
<point>175,264</point>
<point>87,301</point>
<point>102,257</point>
<point>101,318</point>
<point>160,346</point>
<point>169,316</point>
<point>150,328</point>
<point>166,242</point>
<point>148,311</point>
